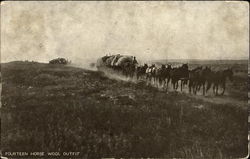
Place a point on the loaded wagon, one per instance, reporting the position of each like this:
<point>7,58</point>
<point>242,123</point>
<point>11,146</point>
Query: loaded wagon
<point>120,63</point>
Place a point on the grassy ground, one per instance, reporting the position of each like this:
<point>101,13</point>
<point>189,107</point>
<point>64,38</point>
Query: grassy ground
<point>57,108</point>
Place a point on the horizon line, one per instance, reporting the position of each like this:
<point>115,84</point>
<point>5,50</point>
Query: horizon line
<point>142,60</point>
<point>203,59</point>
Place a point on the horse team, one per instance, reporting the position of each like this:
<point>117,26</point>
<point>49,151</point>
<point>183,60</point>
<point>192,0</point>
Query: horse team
<point>196,79</point>
<point>199,78</point>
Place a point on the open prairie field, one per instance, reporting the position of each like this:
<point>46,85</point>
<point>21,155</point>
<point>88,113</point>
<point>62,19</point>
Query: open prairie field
<point>61,108</point>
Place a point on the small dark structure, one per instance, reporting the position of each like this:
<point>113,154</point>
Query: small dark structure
<point>59,61</point>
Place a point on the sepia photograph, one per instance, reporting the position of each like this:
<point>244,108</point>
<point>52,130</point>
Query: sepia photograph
<point>124,79</point>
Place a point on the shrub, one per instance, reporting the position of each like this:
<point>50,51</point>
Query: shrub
<point>59,61</point>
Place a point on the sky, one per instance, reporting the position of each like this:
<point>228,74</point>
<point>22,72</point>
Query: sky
<point>80,31</point>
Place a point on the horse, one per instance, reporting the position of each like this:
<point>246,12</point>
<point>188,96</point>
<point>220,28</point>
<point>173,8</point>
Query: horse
<point>167,74</point>
<point>163,74</point>
<point>180,73</point>
<point>198,78</point>
<point>203,78</point>
<point>151,74</point>
<point>129,68</point>
<point>141,71</point>
<point>219,79</point>
<point>159,74</point>
<point>193,76</point>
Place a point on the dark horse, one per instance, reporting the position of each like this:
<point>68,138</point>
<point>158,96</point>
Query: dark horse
<point>201,77</point>
<point>193,79</point>
<point>129,69</point>
<point>140,71</point>
<point>219,79</point>
<point>180,73</point>
<point>163,74</point>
